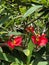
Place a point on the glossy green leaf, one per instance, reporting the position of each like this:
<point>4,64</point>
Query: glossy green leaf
<point>31,10</point>
<point>39,62</point>
<point>30,48</point>
<point>14,63</point>
<point>14,33</point>
<point>43,63</point>
<point>26,52</point>
<point>1,49</point>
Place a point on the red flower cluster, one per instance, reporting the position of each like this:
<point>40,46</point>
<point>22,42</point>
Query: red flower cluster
<point>16,42</point>
<point>40,40</point>
<point>30,29</point>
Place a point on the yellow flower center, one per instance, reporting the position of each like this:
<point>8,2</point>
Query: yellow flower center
<point>14,42</point>
<point>37,39</point>
<point>30,28</point>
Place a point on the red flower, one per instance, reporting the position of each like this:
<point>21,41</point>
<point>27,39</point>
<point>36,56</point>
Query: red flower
<point>30,29</point>
<point>40,40</point>
<point>11,44</point>
<point>16,42</point>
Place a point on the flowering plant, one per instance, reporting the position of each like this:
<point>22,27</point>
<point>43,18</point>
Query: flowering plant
<point>40,40</point>
<point>24,32</point>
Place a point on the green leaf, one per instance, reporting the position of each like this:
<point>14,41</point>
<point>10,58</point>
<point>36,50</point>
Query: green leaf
<point>39,62</point>
<point>44,2</point>
<point>26,52</point>
<point>30,48</point>
<point>5,63</point>
<point>14,33</point>
<point>3,20</point>
<point>3,32</point>
<point>31,10</point>
<point>1,49</point>
<point>14,63</point>
<point>7,57</point>
<point>43,63</point>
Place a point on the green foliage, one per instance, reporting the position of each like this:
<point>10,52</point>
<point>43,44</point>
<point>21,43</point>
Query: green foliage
<point>15,16</point>
<point>31,10</point>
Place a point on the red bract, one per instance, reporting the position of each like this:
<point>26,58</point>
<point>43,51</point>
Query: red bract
<point>30,29</point>
<point>16,42</point>
<point>10,44</point>
<point>40,40</point>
